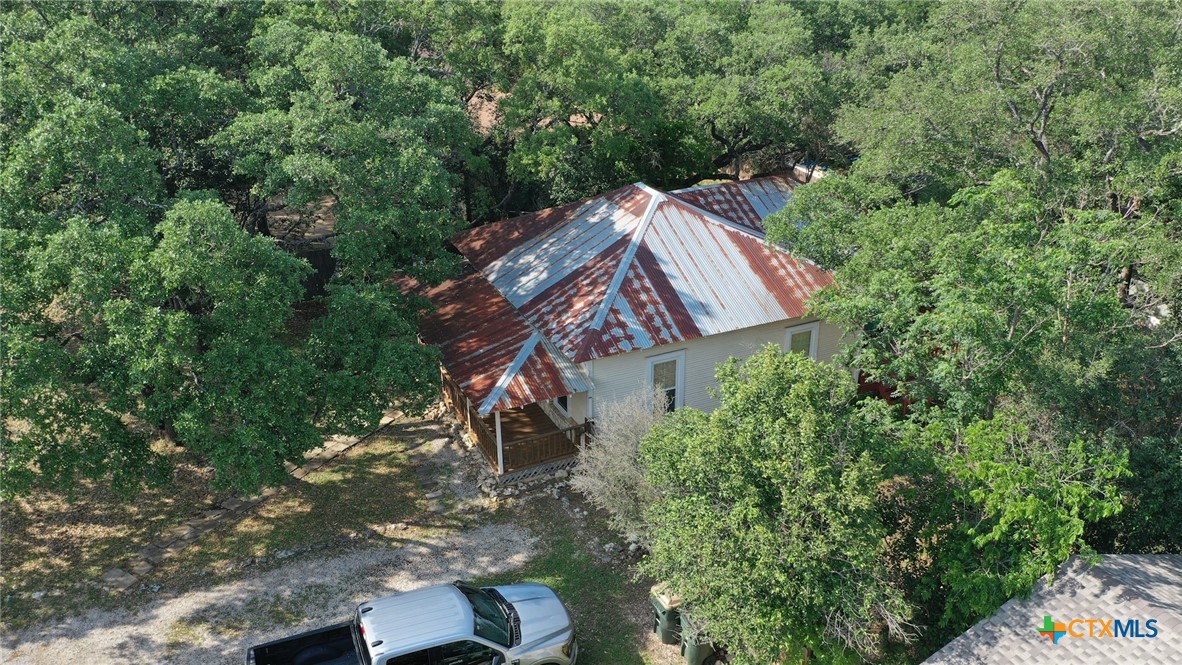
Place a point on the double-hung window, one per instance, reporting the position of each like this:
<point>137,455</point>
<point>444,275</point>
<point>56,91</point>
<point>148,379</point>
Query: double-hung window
<point>666,373</point>
<point>803,339</point>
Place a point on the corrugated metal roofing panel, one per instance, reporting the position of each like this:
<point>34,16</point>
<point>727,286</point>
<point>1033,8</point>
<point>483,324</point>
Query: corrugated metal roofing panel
<point>565,310</point>
<point>484,244</point>
<point>710,271</point>
<point>766,195</point>
<point>540,259</point>
<point>532,381</point>
<point>491,351</point>
<point>747,202</point>
<point>632,269</point>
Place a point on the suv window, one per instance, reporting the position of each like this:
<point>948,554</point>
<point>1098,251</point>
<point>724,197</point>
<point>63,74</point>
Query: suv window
<point>416,658</point>
<point>466,652</point>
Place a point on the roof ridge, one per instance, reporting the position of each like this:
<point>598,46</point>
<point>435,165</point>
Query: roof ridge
<point>637,235</point>
<point>462,235</point>
<point>657,197</point>
<point>726,183</point>
<point>743,229</point>
<point>502,384</point>
<point>716,218</point>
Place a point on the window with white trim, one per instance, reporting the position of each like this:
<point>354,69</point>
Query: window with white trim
<point>666,373</point>
<point>563,403</point>
<point>803,339</point>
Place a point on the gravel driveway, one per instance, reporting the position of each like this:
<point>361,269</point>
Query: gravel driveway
<point>216,625</point>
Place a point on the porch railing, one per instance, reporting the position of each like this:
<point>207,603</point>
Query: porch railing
<point>519,453</point>
<point>533,450</point>
<point>485,439</point>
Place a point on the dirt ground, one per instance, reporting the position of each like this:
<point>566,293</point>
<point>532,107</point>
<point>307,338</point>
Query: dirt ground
<point>543,532</point>
<point>216,625</point>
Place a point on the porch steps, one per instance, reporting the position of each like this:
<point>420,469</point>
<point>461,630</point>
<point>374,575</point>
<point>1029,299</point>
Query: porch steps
<point>566,463</point>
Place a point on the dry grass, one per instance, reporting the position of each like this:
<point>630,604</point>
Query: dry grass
<point>365,489</point>
<point>50,544</point>
<point>56,547</point>
<point>252,559</point>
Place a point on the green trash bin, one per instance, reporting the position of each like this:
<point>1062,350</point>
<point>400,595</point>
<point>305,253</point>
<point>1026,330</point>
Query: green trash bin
<point>666,615</point>
<point>696,647</point>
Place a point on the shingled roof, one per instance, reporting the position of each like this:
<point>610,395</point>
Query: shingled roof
<point>1120,587</point>
<point>631,269</point>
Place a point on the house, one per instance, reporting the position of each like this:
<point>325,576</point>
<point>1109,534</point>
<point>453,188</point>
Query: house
<point>1125,609</point>
<point>562,310</point>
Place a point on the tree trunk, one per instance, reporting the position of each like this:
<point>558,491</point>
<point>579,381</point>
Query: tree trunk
<point>168,429</point>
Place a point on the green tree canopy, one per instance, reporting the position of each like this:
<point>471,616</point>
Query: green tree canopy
<point>766,518</point>
<point>598,94</point>
<point>581,115</point>
<point>750,80</point>
<point>144,146</point>
<point>1006,252</point>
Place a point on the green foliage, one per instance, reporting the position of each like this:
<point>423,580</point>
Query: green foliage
<point>750,78</point>
<point>344,120</point>
<point>181,332</point>
<point>1151,521</point>
<point>1005,240</point>
<point>766,520</point>
<point>823,221</point>
<point>1036,382</point>
<point>229,295</point>
<point>1026,496</point>
<point>136,302</point>
<point>588,117</point>
<point>1006,248</point>
<point>598,94</point>
<point>1073,92</point>
<point>367,354</point>
<point>80,159</point>
<point>964,303</point>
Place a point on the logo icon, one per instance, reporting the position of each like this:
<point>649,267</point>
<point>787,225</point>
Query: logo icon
<point>1052,630</point>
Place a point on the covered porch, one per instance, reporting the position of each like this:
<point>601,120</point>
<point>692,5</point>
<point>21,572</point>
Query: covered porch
<point>517,438</point>
<point>500,374</point>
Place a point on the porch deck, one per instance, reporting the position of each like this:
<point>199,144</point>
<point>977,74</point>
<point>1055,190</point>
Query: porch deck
<point>528,436</point>
<point>522,423</point>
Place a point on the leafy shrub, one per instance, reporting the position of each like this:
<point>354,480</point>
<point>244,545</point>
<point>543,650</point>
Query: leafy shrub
<point>609,472</point>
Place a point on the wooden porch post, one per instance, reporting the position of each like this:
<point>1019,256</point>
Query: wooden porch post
<point>500,445</point>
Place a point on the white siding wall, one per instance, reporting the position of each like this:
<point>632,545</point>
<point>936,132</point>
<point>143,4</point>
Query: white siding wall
<point>618,376</point>
<point>578,408</point>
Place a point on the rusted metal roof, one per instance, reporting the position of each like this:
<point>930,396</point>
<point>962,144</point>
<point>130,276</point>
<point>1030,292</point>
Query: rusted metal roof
<point>745,202</point>
<point>490,350</point>
<point>637,268</point>
<point>631,269</point>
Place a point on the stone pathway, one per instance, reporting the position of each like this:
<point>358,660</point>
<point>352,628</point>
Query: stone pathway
<point>174,540</point>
